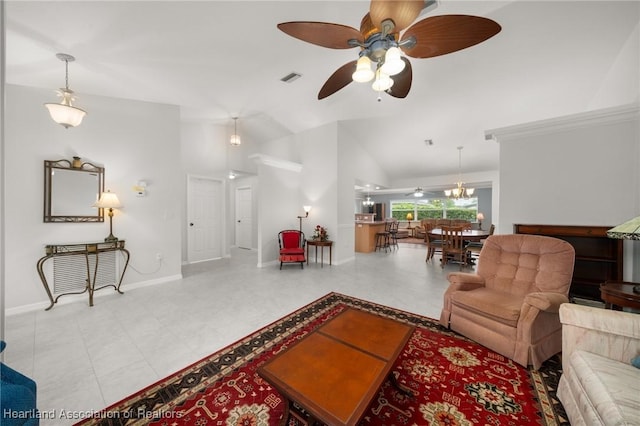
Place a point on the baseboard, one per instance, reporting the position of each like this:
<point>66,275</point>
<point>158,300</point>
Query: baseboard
<point>84,297</point>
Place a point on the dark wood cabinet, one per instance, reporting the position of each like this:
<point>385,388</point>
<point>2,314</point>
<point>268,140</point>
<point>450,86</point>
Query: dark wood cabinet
<point>598,257</point>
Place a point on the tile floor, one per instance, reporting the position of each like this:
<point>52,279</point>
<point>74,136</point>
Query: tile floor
<point>85,359</point>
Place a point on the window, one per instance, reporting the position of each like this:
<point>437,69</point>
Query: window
<point>435,208</point>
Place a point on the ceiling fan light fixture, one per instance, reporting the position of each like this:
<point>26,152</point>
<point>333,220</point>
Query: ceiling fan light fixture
<point>393,63</point>
<point>382,82</point>
<point>363,72</point>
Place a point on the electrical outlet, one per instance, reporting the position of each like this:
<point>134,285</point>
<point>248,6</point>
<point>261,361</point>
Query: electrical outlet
<point>158,256</point>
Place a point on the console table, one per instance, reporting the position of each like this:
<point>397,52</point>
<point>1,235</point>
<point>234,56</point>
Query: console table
<point>84,269</point>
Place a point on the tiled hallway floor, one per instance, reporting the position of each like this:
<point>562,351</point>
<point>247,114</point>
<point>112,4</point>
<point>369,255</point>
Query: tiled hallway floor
<point>85,359</point>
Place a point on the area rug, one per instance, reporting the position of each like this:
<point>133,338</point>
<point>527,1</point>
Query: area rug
<point>453,381</point>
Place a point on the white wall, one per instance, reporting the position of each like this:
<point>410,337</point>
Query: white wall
<point>133,141</point>
<point>576,170</point>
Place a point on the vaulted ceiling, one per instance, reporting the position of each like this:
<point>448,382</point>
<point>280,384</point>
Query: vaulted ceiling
<point>219,59</point>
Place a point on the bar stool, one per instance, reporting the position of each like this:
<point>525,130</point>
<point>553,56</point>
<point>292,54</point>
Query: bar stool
<point>393,234</point>
<point>382,238</point>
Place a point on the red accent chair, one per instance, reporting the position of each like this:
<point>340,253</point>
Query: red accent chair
<point>292,247</point>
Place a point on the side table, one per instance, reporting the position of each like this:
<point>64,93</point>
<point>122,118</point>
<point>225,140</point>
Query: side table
<point>322,245</point>
<point>620,294</point>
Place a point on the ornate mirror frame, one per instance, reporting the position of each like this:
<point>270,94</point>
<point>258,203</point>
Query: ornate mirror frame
<point>70,189</point>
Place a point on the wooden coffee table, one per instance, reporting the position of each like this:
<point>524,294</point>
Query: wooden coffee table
<point>335,371</point>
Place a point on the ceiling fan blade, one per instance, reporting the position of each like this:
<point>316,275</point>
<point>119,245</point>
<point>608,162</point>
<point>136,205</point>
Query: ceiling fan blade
<point>402,81</point>
<point>401,12</point>
<point>439,35</point>
<point>325,34</point>
<point>339,79</point>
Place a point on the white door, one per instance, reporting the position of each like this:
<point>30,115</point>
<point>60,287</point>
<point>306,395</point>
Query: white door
<point>204,231</point>
<point>244,218</point>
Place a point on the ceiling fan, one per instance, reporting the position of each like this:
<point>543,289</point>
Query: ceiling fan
<point>418,192</point>
<point>380,42</point>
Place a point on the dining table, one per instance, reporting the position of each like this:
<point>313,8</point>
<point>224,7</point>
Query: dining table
<point>468,234</point>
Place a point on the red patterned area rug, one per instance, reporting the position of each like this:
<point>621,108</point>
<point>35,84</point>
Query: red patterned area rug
<point>454,381</point>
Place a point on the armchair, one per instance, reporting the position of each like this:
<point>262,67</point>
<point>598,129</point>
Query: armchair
<point>511,304</point>
<point>292,244</point>
<point>17,397</point>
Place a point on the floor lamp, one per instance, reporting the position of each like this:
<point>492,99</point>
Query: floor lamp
<point>307,209</point>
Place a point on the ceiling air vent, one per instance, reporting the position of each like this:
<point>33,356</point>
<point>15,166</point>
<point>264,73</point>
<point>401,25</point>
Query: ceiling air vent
<point>290,78</point>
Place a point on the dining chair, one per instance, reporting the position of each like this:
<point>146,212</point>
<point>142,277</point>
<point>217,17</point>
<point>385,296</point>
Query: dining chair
<point>434,245</point>
<point>453,247</point>
<point>474,248</point>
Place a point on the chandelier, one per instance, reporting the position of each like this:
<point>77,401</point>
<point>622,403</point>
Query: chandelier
<point>368,202</point>
<point>460,191</point>
<point>65,113</point>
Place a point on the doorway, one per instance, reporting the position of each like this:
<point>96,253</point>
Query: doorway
<point>244,217</point>
<point>205,217</point>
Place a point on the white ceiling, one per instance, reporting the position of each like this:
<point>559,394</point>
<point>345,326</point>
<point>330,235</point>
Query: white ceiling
<point>219,59</point>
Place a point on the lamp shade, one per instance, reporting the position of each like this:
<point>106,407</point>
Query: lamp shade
<point>382,82</point>
<point>629,230</point>
<point>65,115</point>
<point>108,200</point>
<point>393,63</point>
<point>363,72</point>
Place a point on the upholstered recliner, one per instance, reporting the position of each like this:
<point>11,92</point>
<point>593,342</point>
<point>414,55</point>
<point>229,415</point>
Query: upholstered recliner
<point>511,304</point>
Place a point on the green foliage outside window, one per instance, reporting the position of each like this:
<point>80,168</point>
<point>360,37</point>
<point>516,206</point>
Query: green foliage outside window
<point>435,209</point>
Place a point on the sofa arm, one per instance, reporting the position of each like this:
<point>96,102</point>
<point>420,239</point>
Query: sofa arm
<point>458,281</point>
<point>612,334</point>
<point>464,281</point>
<point>545,301</point>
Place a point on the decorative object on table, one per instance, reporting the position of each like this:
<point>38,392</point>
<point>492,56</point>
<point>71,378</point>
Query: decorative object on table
<point>630,230</point>
<point>460,191</point>
<point>292,244</point>
<point>307,209</point>
<point>65,113</point>
<point>381,46</point>
<point>225,387</point>
<point>480,218</point>
<point>320,233</point>
<point>109,200</point>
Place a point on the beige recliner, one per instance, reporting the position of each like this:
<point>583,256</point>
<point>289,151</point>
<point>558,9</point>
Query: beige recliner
<point>511,304</point>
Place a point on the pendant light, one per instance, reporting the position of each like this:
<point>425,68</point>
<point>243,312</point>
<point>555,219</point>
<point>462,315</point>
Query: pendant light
<point>460,191</point>
<point>235,137</point>
<point>65,113</point>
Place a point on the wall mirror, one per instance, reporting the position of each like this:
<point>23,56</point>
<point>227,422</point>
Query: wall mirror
<point>70,189</point>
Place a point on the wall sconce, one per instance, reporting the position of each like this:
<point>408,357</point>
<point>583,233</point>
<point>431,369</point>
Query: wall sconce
<point>307,209</point>
<point>109,200</point>
<point>480,217</point>
<point>140,189</point>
